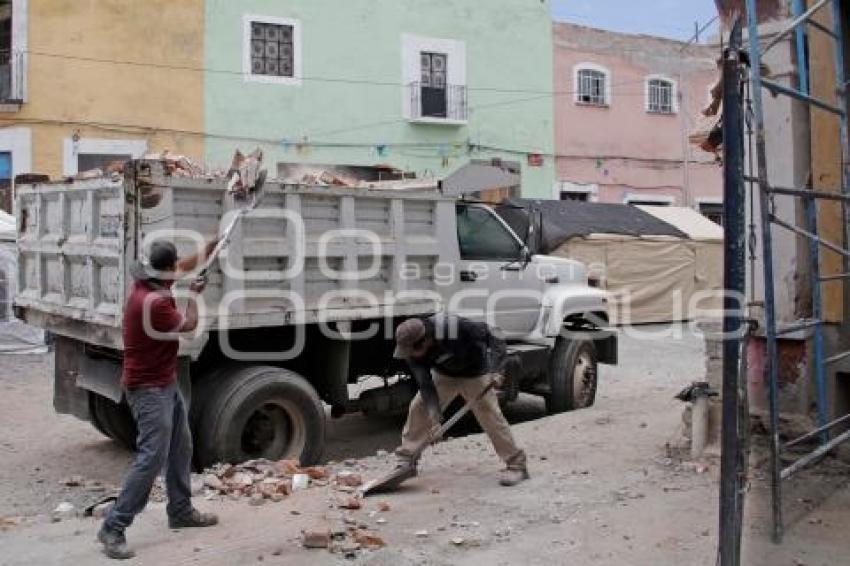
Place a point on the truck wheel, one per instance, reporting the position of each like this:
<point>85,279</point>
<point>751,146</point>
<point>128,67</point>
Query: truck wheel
<point>261,412</point>
<point>114,420</point>
<point>573,371</point>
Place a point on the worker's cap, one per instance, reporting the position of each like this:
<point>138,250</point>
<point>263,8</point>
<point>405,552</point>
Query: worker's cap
<point>410,338</point>
<point>160,260</point>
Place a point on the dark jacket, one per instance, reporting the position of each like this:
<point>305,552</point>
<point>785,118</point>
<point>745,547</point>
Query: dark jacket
<point>463,348</point>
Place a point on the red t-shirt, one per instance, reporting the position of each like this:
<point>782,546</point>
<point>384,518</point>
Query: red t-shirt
<point>150,360</point>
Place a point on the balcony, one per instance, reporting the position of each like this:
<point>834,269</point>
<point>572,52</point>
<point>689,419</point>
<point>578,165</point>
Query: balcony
<point>11,77</point>
<point>438,105</point>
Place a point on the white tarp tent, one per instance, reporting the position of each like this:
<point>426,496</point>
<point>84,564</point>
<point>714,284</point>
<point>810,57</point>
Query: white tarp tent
<point>655,277</point>
<point>15,336</point>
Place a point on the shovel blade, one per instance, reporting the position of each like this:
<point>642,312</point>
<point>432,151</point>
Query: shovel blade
<point>389,482</point>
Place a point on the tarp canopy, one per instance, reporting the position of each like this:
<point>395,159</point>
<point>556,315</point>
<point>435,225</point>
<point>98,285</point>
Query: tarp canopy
<point>687,220</point>
<point>563,220</point>
<point>660,264</point>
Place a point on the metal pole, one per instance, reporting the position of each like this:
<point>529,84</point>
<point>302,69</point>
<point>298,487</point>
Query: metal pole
<point>734,274</point>
<point>811,211</point>
<point>767,261</point>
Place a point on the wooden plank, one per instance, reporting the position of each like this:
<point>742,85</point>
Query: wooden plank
<point>826,162</point>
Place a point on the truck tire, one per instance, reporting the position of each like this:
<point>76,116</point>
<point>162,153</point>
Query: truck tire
<point>573,371</point>
<point>261,412</point>
<point>115,420</point>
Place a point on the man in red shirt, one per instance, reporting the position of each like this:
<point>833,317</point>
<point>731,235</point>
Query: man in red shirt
<point>152,326</point>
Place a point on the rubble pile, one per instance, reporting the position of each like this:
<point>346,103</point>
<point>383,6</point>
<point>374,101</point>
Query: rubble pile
<point>261,480</point>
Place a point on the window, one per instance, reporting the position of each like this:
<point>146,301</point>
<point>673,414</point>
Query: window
<point>272,50</point>
<point>660,96</point>
<point>84,154</point>
<point>89,161</point>
<point>592,85</point>
<point>13,47</point>
<point>574,196</point>
<point>648,200</point>
<point>713,211</point>
<point>434,75</point>
<point>483,237</point>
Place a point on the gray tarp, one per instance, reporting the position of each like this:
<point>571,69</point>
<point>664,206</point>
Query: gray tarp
<point>563,220</point>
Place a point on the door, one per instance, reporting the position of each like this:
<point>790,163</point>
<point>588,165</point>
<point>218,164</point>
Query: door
<point>433,93</point>
<point>6,181</point>
<point>494,282</point>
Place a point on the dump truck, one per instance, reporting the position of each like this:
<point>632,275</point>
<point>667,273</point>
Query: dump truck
<point>301,304</point>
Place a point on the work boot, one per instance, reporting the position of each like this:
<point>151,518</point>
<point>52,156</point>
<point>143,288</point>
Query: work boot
<point>192,520</point>
<point>512,476</point>
<point>114,544</point>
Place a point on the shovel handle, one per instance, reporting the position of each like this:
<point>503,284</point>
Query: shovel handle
<point>452,421</point>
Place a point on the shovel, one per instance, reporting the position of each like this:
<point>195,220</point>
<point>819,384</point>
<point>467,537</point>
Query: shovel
<point>224,240</point>
<point>404,472</point>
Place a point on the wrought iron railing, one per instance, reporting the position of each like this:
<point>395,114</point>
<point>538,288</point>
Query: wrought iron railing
<point>445,103</point>
<point>11,76</point>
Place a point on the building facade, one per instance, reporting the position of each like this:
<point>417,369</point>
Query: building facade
<point>86,83</point>
<point>625,107</point>
<point>421,87</point>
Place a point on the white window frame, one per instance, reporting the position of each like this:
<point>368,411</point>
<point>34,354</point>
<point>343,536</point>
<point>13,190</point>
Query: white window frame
<point>590,189</point>
<point>18,142</point>
<point>73,148</point>
<point>674,95</point>
<point>648,200</point>
<point>411,48</point>
<point>247,75</point>
<point>576,87</point>
<point>19,55</point>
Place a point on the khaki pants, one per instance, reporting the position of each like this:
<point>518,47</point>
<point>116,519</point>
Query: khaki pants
<point>486,411</point>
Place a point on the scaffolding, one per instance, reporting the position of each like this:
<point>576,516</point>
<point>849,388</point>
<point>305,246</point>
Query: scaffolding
<point>826,441</point>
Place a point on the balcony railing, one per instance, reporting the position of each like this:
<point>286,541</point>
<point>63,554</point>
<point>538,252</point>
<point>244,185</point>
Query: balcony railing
<point>11,76</point>
<point>448,103</point>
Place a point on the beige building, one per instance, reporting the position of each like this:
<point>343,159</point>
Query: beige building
<point>85,82</point>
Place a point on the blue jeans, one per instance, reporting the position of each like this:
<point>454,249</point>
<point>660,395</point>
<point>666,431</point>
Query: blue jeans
<point>164,440</point>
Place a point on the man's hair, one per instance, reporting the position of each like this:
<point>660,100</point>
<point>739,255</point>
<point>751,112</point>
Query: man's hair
<point>162,255</point>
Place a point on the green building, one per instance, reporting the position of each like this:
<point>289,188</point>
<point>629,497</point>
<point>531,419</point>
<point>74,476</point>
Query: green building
<point>419,86</point>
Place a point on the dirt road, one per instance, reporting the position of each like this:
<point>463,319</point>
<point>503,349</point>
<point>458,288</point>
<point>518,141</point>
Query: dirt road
<point>603,489</point>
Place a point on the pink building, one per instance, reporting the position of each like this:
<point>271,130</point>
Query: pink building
<point>626,107</point>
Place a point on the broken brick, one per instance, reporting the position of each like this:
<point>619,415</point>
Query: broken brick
<point>351,503</point>
<point>316,538</point>
<point>369,540</point>
<point>383,506</point>
<point>289,467</point>
<point>317,472</point>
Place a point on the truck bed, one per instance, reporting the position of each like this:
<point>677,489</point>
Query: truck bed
<point>289,262</point>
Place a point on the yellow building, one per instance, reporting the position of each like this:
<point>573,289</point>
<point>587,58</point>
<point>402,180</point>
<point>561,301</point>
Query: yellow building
<point>85,82</point>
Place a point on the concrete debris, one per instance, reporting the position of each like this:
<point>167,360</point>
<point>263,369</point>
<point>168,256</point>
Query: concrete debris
<point>64,510</point>
<point>300,481</point>
<point>458,541</point>
<point>261,480</point>
<point>317,538</point>
<point>349,479</point>
<point>422,534</point>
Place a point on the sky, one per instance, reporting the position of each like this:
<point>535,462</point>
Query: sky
<point>665,18</point>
